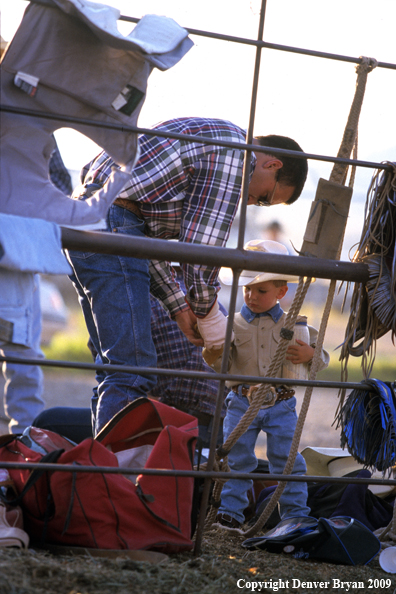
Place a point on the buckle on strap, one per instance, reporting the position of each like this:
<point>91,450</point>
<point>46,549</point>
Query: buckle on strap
<point>274,394</point>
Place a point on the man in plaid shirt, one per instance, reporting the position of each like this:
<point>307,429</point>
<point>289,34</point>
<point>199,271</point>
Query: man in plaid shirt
<point>194,395</point>
<point>179,189</point>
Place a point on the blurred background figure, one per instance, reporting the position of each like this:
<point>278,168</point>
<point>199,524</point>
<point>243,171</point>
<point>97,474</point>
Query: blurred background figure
<point>274,231</point>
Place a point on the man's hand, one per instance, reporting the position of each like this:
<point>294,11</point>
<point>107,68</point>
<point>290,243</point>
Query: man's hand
<point>187,323</point>
<point>300,352</point>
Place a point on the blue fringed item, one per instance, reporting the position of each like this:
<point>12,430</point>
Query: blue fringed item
<point>368,425</point>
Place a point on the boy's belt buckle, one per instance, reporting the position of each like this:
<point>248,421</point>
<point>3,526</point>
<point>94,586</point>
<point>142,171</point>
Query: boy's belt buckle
<point>273,395</point>
<point>270,398</point>
<point>280,393</point>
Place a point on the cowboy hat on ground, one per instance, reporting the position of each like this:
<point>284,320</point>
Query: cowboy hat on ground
<point>339,462</point>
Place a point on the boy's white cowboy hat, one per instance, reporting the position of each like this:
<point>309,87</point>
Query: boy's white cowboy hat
<point>251,277</point>
<point>339,462</point>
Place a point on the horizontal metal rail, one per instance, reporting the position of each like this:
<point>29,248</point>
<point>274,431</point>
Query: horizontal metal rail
<point>188,137</point>
<point>204,474</point>
<point>252,42</point>
<point>111,243</point>
<point>186,374</point>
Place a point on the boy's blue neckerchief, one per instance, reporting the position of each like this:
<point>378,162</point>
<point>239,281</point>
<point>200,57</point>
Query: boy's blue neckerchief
<point>275,313</point>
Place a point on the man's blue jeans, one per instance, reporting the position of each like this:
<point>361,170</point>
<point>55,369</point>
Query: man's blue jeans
<point>114,293</point>
<point>279,423</point>
<point>24,385</point>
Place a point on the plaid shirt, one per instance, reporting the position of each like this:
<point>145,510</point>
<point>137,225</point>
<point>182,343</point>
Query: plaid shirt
<point>59,175</point>
<point>185,191</point>
<point>174,351</point>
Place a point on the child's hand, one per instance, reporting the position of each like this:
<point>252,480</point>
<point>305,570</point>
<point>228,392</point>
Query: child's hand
<point>300,352</point>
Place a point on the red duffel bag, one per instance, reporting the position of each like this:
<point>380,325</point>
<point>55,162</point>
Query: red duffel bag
<point>103,510</point>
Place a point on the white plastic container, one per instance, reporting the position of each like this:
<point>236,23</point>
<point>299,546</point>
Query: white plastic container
<point>387,559</point>
<point>300,371</point>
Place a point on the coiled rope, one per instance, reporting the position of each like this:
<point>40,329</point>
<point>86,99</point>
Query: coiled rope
<point>373,306</point>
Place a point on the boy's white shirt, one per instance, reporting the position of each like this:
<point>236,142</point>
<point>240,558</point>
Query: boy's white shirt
<point>254,345</point>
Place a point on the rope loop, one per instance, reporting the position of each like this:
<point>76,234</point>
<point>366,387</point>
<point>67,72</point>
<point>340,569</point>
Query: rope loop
<point>366,65</point>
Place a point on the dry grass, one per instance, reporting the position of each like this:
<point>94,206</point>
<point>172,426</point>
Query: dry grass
<point>217,569</point>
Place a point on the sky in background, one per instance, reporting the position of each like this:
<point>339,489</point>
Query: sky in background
<point>304,97</point>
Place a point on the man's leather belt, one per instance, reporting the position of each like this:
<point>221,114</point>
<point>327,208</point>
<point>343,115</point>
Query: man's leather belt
<point>282,392</point>
<point>242,390</point>
<point>128,205</point>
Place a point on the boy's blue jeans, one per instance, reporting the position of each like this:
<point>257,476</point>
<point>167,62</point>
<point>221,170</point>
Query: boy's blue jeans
<point>279,423</point>
<point>114,293</point>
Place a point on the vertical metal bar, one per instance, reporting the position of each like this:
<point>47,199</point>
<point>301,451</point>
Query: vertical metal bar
<point>234,289</point>
<point>249,136</point>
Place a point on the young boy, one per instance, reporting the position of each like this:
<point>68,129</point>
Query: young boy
<point>256,336</point>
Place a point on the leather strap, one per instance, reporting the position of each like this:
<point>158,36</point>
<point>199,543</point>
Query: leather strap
<point>128,205</point>
<point>284,394</point>
<point>281,391</point>
<point>240,390</point>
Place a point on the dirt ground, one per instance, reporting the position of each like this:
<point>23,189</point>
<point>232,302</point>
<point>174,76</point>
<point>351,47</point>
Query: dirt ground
<point>222,565</point>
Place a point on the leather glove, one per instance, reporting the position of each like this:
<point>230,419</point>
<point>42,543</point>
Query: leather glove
<point>212,328</point>
<point>211,355</point>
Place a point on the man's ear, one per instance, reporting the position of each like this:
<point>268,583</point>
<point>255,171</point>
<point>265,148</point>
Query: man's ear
<point>273,163</point>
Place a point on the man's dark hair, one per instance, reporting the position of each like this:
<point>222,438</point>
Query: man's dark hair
<point>294,171</point>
